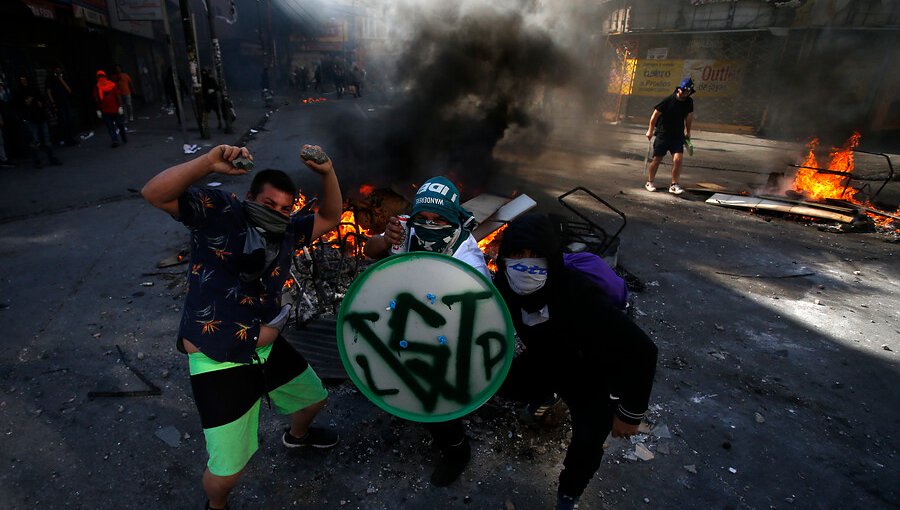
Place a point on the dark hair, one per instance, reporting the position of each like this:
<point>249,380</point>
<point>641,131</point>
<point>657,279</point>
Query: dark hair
<point>276,178</point>
<point>533,231</point>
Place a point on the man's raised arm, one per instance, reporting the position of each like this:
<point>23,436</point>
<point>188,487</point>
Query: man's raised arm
<point>163,190</point>
<point>331,204</point>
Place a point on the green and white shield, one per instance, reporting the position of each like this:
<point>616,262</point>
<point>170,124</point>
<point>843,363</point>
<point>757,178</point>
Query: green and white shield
<point>425,337</point>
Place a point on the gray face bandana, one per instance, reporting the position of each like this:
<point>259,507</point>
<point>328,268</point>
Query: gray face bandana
<point>265,218</point>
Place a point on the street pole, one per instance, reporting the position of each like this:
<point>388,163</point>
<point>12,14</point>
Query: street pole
<point>227,107</point>
<point>194,64</point>
<point>174,77</point>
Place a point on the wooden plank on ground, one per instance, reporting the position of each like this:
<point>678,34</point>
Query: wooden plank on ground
<point>743,202</point>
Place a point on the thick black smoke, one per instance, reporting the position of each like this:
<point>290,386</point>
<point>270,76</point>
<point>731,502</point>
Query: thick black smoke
<point>823,85</point>
<point>463,81</point>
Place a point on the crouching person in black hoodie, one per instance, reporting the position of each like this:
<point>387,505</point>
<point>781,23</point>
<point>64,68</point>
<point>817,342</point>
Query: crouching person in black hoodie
<point>577,345</point>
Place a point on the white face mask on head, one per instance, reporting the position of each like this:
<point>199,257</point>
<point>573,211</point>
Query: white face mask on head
<point>526,276</point>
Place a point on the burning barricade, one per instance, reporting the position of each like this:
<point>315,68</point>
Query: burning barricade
<point>829,189</point>
<point>322,272</point>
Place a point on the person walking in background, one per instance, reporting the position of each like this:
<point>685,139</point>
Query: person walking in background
<point>4,100</point>
<point>671,120</point>
<point>106,95</point>
<point>317,78</point>
<point>60,98</point>
<point>303,77</point>
<point>210,94</point>
<point>4,162</point>
<point>32,109</point>
<point>123,82</point>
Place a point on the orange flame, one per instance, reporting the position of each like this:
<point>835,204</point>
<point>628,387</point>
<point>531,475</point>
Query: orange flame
<point>366,190</point>
<point>288,283</point>
<point>349,230</point>
<point>310,100</point>
<point>490,245</point>
<point>300,203</point>
<point>821,186</point>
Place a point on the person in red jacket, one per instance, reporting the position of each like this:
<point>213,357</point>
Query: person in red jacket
<point>109,107</point>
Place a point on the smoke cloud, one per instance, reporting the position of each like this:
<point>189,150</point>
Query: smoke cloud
<point>467,77</point>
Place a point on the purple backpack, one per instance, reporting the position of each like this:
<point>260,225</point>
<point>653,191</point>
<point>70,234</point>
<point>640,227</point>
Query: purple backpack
<point>600,274</point>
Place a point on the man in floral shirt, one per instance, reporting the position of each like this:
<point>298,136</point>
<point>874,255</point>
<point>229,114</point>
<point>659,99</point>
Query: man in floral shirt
<point>240,256</point>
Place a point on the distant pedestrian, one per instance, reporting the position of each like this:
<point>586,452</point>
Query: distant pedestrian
<point>123,82</point>
<point>4,99</point>
<point>264,82</point>
<point>357,77</point>
<point>303,76</point>
<point>60,96</point>
<point>577,346</point>
<point>109,108</point>
<point>32,109</point>
<point>340,80</point>
<point>211,94</point>
<point>671,120</point>
<point>4,162</point>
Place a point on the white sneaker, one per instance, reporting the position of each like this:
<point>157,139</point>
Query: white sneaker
<point>676,189</point>
<point>650,187</point>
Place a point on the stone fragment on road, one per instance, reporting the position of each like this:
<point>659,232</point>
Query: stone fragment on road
<point>661,431</point>
<point>690,468</point>
<point>169,435</point>
<point>642,452</point>
<point>759,418</point>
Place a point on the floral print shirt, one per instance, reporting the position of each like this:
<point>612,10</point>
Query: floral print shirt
<point>222,313</point>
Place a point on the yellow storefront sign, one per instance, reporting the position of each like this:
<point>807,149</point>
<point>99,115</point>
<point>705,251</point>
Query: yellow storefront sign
<point>658,78</point>
<point>715,78</point>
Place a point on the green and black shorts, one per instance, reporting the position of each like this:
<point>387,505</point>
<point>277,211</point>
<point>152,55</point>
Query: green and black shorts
<point>228,397</point>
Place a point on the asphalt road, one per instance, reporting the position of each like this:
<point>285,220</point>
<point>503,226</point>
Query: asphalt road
<point>778,341</point>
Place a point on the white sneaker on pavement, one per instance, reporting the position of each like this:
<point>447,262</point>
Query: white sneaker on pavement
<point>676,189</point>
<point>650,187</point>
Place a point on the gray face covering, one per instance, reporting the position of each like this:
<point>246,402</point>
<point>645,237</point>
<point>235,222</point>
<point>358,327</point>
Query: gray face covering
<point>263,242</point>
<point>267,219</point>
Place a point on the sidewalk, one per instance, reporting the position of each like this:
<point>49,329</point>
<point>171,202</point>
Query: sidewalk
<point>94,173</point>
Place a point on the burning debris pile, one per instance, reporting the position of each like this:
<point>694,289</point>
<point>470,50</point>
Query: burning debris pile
<point>322,272</point>
<point>826,192</point>
<point>833,182</point>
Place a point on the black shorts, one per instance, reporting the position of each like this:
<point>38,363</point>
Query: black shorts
<point>662,145</point>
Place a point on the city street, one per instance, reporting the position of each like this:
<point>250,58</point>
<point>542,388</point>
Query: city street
<point>778,341</point>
